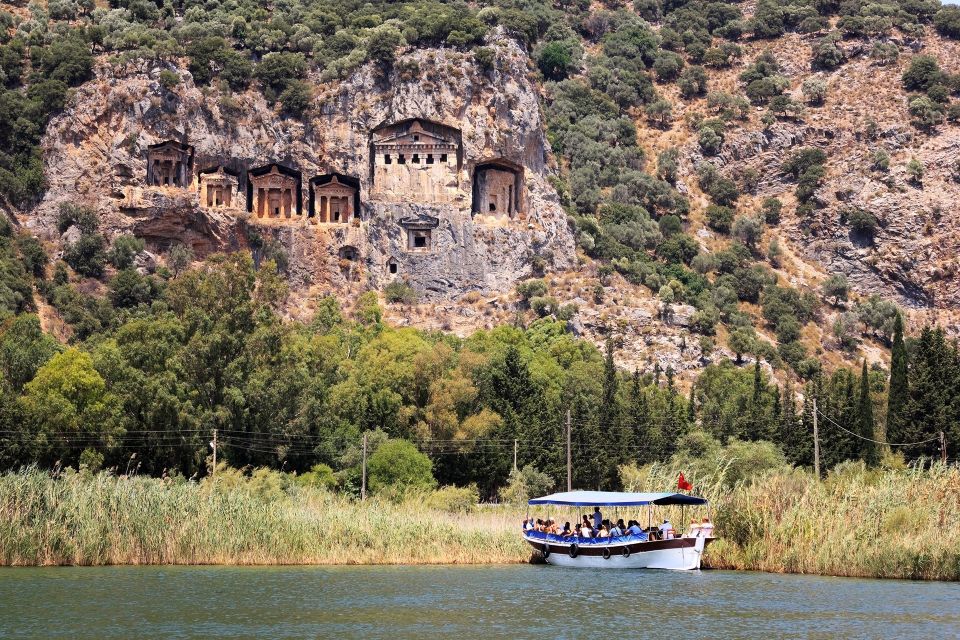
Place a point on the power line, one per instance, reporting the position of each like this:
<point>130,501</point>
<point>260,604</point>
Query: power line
<point>857,435</point>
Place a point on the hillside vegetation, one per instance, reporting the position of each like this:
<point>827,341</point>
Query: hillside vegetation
<point>698,148</point>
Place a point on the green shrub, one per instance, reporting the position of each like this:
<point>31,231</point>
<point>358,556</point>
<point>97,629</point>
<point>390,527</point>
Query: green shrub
<point>719,218</point>
<point>397,466</point>
<point>125,248</point>
<point>453,499</point>
<point>400,292</point>
<point>531,289</point>
<point>923,73</point>
<point>320,476</point>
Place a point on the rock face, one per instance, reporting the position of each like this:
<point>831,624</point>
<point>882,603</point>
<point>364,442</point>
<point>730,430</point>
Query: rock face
<point>440,239</point>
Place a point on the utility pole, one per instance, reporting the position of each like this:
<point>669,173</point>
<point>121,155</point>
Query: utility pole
<point>569,465</point>
<point>363,476</point>
<point>816,442</point>
<point>943,447</point>
<point>514,455</point>
<point>214,445</point>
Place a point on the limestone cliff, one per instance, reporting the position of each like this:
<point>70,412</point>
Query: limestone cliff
<point>96,155</point>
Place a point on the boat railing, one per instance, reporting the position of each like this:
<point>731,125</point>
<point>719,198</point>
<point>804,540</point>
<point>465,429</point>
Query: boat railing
<point>550,537</point>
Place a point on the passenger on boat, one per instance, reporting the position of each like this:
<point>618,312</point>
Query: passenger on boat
<point>666,530</point>
<point>586,531</point>
<point>597,518</point>
<point>694,529</point>
<point>552,527</point>
<point>634,529</point>
<point>528,524</point>
<point>617,529</point>
<point>567,531</point>
<point>604,533</point>
<point>706,528</point>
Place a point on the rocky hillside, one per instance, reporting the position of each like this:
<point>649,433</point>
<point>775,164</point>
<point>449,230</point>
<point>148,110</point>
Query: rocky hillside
<point>96,153</point>
<point>699,180</point>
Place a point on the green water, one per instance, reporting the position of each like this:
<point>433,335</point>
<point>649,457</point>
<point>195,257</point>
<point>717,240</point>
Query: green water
<point>459,602</point>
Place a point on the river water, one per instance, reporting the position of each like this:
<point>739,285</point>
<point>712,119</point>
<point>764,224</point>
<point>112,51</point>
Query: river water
<point>455,603</point>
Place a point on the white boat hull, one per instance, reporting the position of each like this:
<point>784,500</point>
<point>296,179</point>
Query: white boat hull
<point>680,554</point>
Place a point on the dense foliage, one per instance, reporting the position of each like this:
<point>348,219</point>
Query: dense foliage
<point>163,360</point>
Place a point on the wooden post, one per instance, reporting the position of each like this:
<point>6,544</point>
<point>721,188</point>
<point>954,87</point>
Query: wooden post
<point>214,445</point>
<point>514,455</point>
<point>363,477</point>
<point>569,465</point>
<point>816,442</point>
<point>943,447</point>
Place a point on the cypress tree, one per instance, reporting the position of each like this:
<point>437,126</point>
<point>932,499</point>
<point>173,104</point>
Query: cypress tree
<point>611,425</point>
<point>898,395</point>
<point>868,448</point>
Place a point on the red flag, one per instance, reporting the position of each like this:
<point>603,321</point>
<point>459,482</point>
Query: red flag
<point>682,484</point>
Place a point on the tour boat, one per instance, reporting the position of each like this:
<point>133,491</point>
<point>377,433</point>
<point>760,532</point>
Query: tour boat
<point>620,552</point>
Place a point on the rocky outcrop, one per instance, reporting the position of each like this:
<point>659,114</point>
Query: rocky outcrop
<point>96,155</point>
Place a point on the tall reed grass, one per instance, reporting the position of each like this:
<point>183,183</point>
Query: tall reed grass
<point>104,519</point>
<point>896,523</point>
<point>884,523</point>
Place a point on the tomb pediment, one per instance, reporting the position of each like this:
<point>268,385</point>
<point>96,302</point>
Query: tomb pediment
<point>419,221</point>
<point>411,138</point>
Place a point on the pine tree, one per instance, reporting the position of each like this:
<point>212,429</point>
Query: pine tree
<point>868,449</point>
<point>898,395</point>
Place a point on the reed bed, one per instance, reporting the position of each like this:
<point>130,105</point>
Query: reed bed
<point>103,519</point>
<point>901,523</point>
<point>895,522</point>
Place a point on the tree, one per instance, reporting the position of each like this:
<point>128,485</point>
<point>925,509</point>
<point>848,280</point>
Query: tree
<point>296,98</point>
<point>397,465</point>
<point>719,218</point>
<point>659,112</point>
<point>815,90</point>
<point>86,255</point>
<point>862,222</point>
<point>667,66</point>
<point>125,248</point>
<point>898,393</point>
<point>915,170</point>
<point>922,73</point>
<point>925,113</point>
<point>179,258</point>
<point>693,82</point>
<point>827,55</point>
<point>868,449</point>
<point>69,397</point>
<point>382,45</point>
<point>771,210</point>
<point>24,348</point>
<point>555,59</point>
<point>277,70</point>
<point>710,140</point>
<point>748,230</point>
<point>742,340</point>
<point>947,21</point>
<point>836,287</point>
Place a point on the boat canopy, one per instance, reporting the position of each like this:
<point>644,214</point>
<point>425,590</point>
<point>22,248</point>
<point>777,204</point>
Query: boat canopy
<point>615,499</point>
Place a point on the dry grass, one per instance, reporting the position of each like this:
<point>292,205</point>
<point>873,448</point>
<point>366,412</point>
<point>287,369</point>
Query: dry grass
<point>894,523</point>
<point>102,519</point>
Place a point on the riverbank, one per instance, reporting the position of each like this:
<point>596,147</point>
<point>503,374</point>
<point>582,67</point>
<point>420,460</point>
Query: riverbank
<point>867,523</point>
